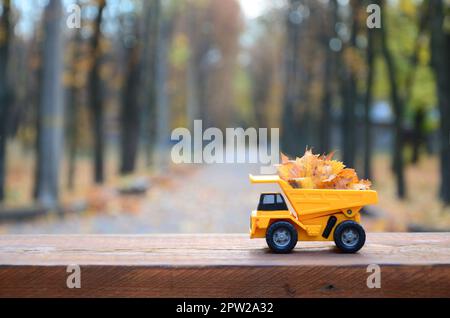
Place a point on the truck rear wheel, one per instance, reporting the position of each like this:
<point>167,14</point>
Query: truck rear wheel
<point>349,237</point>
<point>281,237</point>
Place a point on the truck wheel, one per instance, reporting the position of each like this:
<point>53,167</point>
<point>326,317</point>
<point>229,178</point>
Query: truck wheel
<point>349,237</point>
<point>281,237</point>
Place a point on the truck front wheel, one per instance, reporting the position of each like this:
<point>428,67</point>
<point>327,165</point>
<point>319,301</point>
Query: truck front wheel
<point>281,237</point>
<point>349,237</point>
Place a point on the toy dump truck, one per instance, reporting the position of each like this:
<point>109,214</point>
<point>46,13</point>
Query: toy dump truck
<point>316,215</point>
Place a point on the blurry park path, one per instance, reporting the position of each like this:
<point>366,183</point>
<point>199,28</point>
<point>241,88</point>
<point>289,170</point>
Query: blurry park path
<point>209,198</point>
<point>219,198</point>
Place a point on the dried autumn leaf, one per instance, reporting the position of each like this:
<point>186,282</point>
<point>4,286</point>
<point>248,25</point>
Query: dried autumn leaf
<point>284,158</point>
<point>319,172</point>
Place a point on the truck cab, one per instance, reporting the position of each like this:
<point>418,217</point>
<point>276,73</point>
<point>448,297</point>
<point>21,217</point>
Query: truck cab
<point>271,206</point>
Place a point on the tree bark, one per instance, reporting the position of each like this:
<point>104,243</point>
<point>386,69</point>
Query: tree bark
<point>35,89</point>
<point>5,91</point>
<point>289,126</point>
<point>51,133</point>
<point>130,110</point>
<point>95,94</point>
<point>419,115</point>
<point>398,108</point>
<point>73,102</point>
<point>418,134</point>
<point>72,135</point>
<point>329,71</point>
<point>199,69</point>
<point>440,50</point>
<point>368,100</point>
<point>148,78</point>
<point>349,97</point>
<point>192,72</point>
<point>165,33</point>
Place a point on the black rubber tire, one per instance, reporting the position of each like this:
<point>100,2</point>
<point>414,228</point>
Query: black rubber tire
<point>341,244</point>
<point>270,237</point>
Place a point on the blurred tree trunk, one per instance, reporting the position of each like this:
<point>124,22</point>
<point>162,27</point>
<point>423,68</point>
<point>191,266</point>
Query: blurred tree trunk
<point>72,118</point>
<point>260,94</point>
<point>165,30</point>
<point>398,108</point>
<point>5,92</point>
<point>35,91</point>
<point>368,100</point>
<point>51,133</point>
<point>192,84</point>
<point>262,73</point>
<point>260,91</point>
<point>130,108</point>
<point>95,95</point>
<point>419,114</point>
<point>305,120</point>
<point>418,134</point>
<point>329,71</point>
<point>349,93</point>
<point>72,135</point>
<point>148,77</point>
<point>198,68</point>
<point>289,138</point>
<point>440,51</point>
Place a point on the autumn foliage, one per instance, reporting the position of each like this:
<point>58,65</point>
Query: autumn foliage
<point>319,172</point>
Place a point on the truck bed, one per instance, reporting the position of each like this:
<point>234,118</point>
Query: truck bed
<point>310,201</point>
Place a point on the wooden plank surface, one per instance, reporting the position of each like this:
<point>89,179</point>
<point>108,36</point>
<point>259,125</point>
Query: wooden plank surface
<point>221,265</point>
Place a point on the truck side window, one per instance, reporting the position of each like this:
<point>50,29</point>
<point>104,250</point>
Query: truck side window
<point>269,199</point>
<point>280,200</point>
<point>272,202</point>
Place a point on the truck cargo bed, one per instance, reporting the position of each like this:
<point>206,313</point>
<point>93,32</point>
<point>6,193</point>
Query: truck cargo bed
<point>310,201</point>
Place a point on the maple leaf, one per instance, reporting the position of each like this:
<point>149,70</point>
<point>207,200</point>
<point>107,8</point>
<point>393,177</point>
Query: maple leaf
<point>284,158</point>
<point>319,172</point>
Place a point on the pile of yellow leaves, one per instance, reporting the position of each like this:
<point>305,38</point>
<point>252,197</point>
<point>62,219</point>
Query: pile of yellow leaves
<point>319,172</point>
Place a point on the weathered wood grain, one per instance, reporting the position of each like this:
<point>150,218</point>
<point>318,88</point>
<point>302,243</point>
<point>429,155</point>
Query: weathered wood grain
<point>221,265</point>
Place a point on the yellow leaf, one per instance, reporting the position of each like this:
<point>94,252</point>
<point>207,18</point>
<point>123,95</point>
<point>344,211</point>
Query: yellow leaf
<point>319,172</point>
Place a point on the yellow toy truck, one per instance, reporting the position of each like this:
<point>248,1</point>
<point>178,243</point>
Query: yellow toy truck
<point>316,215</point>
